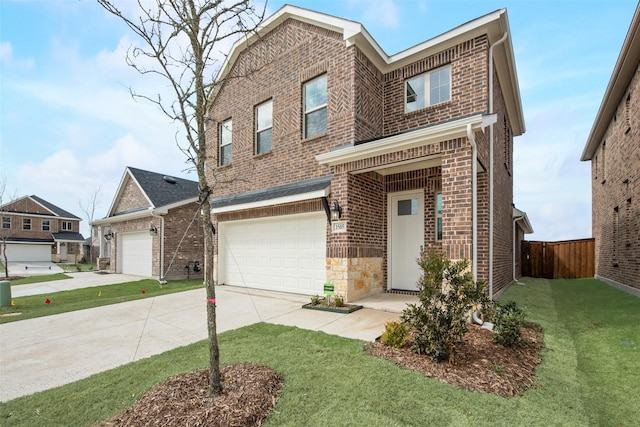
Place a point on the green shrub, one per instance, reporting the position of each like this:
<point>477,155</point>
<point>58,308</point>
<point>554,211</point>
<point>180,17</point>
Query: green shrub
<point>316,300</point>
<point>447,294</point>
<point>395,334</point>
<point>338,300</point>
<point>507,324</point>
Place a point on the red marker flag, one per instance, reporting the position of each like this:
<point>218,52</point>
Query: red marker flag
<point>47,301</point>
<point>143,291</point>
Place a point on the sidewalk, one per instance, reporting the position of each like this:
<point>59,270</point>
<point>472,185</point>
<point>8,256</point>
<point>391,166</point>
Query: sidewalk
<point>39,354</point>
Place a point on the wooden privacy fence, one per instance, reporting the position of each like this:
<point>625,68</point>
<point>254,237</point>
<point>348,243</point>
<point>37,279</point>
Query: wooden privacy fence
<point>571,259</point>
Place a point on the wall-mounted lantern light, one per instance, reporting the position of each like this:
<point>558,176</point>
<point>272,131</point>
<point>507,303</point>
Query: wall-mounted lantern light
<point>336,211</point>
<point>108,234</point>
<point>153,230</point>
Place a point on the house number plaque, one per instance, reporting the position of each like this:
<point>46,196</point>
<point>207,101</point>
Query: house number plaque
<point>339,227</point>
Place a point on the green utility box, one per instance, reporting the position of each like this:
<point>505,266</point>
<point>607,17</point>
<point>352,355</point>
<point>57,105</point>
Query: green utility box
<point>5,294</point>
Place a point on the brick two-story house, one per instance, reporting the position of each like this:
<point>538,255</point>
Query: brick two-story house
<point>38,231</point>
<point>613,147</point>
<point>341,162</point>
<point>153,227</point>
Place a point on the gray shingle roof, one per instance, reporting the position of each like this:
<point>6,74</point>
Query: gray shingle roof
<point>53,208</point>
<point>67,236</point>
<point>273,192</point>
<point>164,190</point>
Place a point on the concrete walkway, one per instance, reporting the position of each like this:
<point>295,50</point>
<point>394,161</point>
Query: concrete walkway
<point>39,354</point>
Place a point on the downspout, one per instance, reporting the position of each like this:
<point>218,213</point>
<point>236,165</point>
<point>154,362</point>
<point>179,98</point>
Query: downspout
<point>474,203</point>
<point>153,214</point>
<point>491,143</point>
<point>515,221</point>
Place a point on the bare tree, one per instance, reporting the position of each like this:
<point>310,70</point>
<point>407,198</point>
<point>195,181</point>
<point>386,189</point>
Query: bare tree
<point>180,43</point>
<point>5,233</point>
<point>89,206</point>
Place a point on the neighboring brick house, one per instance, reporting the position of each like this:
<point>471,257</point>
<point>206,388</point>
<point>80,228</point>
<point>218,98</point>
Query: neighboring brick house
<point>314,120</point>
<point>613,147</point>
<point>38,231</point>
<point>153,227</point>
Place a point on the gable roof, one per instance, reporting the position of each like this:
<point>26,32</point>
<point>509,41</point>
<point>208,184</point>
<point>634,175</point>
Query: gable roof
<point>494,25</point>
<point>160,190</point>
<point>53,209</point>
<point>623,72</point>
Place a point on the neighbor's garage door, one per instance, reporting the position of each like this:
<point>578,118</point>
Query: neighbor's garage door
<point>24,252</point>
<point>284,253</point>
<point>134,255</point>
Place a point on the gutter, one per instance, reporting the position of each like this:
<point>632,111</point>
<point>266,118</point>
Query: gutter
<point>474,202</point>
<point>491,144</point>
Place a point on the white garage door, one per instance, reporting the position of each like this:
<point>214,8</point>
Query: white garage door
<point>134,256</point>
<point>285,253</point>
<point>17,252</point>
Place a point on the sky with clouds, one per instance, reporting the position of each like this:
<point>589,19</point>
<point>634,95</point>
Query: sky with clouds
<point>68,124</point>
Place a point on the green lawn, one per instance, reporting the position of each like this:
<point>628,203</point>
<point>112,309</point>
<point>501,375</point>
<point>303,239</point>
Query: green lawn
<point>33,306</point>
<point>38,279</point>
<point>589,375</point>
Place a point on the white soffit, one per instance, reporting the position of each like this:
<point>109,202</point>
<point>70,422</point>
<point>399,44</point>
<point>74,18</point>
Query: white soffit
<point>430,135</point>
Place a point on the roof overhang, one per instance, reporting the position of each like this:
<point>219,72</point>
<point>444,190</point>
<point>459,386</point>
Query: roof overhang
<point>494,25</point>
<point>143,213</point>
<point>429,135</point>
<point>623,72</point>
<point>522,220</point>
<point>289,193</point>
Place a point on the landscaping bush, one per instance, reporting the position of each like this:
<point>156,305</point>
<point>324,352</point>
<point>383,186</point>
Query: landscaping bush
<point>507,324</point>
<point>447,294</point>
<point>395,334</point>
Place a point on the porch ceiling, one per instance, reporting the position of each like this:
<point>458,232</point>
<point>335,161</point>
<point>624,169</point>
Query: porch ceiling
<point>409,165</point>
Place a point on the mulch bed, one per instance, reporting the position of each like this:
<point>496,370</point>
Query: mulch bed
<point>250,391</point>
<point>481,365</point>
<point>249,395</point>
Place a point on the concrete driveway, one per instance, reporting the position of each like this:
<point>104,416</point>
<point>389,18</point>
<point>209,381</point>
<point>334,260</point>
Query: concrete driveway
<point>32,268</point>
<point>39,354</point>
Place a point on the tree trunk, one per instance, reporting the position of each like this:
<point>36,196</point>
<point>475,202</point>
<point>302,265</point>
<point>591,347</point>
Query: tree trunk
<point>215,382</point>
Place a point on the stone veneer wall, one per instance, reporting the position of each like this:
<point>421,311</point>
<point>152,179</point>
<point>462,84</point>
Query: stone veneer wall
<point>355,278</point>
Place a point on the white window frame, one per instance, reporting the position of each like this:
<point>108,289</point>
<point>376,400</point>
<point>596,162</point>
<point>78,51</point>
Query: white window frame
<point>6,222</point>
<point>267,126</point>
<point>227,125</point>
<point>46,223</point>
<point>26,223</point>
<point>426,90</point>
<point>438,217</point>
<point>67,226</point>
<point>314,109</point>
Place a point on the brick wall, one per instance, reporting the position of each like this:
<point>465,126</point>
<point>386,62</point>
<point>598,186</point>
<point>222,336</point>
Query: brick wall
<point>131,197</point>
<point>27,208</point>
<point>183,227</point>
<point>503,237</point>
<point>363,104</point>
<point>616,203</point>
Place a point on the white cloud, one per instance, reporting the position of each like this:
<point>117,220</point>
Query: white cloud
<point>9,60</point>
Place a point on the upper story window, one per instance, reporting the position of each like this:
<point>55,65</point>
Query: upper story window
<point>66,225</point>
<point>315,107</point>
<point>225,142</point>
<point>6,222</point>
<point>26,223</point>
<point>264,127</point>
<point>428,89</point>
<point>46,225</point>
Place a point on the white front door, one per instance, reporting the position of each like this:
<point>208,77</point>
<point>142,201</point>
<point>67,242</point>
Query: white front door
<point>405,238</point>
